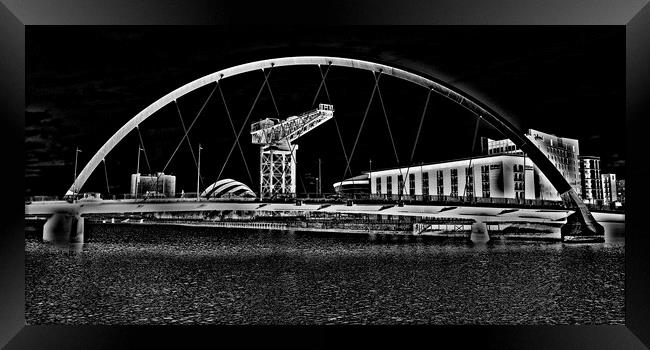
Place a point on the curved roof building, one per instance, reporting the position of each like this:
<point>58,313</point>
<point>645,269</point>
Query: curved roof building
<point>228,188</point>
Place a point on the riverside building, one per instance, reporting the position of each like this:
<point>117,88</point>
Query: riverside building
<point>610,193</point>
<point>620,189</point>
<point>503,171</point>
<point>592,184</point>
<point>561,151</point>
<point>498,176</point>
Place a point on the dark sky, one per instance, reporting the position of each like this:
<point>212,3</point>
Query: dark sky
<point>83,83</point>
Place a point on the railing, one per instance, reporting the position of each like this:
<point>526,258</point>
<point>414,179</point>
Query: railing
<point>359,225</point>
<point>366,198</point>
<point>178,197</point>
<point>321,197</point>
<point>43,198</point>
<point>338,198</point>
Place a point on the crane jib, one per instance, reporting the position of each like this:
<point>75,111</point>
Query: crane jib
<point>271,131</point>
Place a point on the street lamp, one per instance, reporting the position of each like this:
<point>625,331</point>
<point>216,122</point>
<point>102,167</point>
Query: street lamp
<point>370,177</point>
<point>319,189</point>
<point>198,174</point>
<point>137,173</point>
<point>137,168</point>
<point>74,181</point>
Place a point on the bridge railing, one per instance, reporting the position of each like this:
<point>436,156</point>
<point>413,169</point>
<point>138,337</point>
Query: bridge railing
<point>338,198</point>
<point>43,198</point>
<point>605,207</point>
<point>445,200</point>
<point>324,198</point>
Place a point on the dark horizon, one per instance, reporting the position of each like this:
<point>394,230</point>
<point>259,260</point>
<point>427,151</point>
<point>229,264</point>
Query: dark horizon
<point>84,83</point>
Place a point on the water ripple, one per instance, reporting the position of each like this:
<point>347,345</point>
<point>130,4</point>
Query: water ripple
<point>181,275</point>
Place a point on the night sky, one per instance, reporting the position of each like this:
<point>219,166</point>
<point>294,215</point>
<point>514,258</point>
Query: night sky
<point>84,83</point>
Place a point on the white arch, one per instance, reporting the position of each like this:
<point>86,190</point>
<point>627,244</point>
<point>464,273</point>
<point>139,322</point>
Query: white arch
<point>240,69</point>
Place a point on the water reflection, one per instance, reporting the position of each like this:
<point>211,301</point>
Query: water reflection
<point>182,275</point>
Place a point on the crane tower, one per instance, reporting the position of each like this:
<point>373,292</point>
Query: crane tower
<point>277,150</point>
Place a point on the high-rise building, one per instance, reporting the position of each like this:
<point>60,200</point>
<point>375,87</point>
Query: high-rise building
<point>610,193</point>
<point>561,151</point>
<point>620,190</point>
<point>592,184</point>
<point>154,184</point>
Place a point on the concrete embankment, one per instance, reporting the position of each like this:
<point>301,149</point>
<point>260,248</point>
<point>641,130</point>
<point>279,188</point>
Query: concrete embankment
<point>469,224</point>
<point>453,229</point>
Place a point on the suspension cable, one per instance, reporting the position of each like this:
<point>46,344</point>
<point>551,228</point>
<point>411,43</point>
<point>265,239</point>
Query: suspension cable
<point>478,121</point>
<point>145,151</point>
<point>108,188</point>
<point>320,86</point>
<point>266,76</point>
<point>365,114</point>
<point>178,146</point>
<point>417,136</point>
<point>187,137</point>
<point>336,124</point>
<point>400,187</point>
<point>327,93</point>
<point>185,131</point>
<point>232,126</point>
<point>266,82</point>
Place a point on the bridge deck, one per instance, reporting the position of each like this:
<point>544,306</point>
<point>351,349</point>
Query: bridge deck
<point>462,212</point>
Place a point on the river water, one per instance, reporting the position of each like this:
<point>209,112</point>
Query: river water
<point>141,274</point>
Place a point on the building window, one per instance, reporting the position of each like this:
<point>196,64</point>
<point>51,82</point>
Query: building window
<point>412,184</point>
<point>440,185</point>
<point>389,185</point>
<point>469,181</point>
<point>518,176</point>
<point>454,183</point>
<point>378,185</point>
<point>485,180</point>
<point>400,184</point>
<point>425,184</point>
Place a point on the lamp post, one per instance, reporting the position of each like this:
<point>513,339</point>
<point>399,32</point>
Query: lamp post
<point>198,174</point>
<point>422,182</point>
<point>137,173</point>
<point>137,168</point>
<point>370,177</point>
<point>74,181</point>
<point>524,177</point>
<point>319,179</point>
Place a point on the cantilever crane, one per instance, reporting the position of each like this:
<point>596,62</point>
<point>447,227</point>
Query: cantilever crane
<point>277,151</point>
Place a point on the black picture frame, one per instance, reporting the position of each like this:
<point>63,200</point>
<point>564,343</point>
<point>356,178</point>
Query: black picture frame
<point>634,15</point>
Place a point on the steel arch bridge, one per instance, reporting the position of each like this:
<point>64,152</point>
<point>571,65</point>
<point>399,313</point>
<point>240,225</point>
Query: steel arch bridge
<point>583,221</point>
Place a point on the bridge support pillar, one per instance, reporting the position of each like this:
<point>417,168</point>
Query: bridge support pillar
<point>581,225</point>
<point>479,233</point>
<point>63,228</point>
